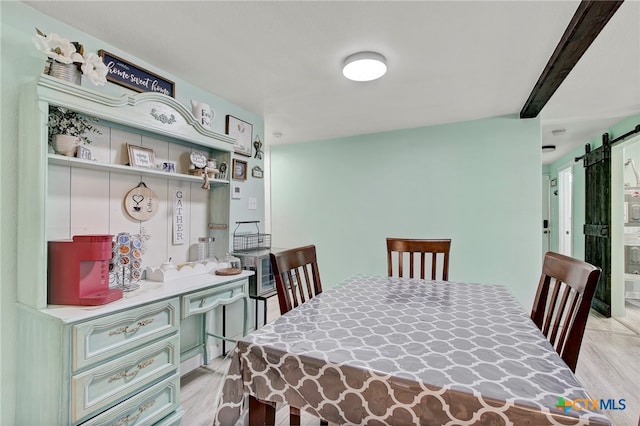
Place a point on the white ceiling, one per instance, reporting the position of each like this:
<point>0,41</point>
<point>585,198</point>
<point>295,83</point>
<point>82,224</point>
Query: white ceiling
<point>447,61</point>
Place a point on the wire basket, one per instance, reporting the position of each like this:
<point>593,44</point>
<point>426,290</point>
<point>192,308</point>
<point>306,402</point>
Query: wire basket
<point>250,240</point>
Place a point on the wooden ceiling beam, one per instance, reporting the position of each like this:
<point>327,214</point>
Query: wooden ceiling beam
<point>587,22</point>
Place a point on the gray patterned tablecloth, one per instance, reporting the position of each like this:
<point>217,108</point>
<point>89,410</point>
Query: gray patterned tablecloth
<point>378,350</point>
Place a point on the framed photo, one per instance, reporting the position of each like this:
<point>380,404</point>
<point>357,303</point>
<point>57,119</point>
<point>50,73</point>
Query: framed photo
<point>242,132</point>
<point>239,169</point>
<point>141,157</point>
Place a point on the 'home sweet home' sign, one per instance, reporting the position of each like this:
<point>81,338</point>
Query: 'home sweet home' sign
<point>133,77</point>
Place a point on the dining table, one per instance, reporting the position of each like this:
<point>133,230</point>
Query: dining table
<point>380,350</point>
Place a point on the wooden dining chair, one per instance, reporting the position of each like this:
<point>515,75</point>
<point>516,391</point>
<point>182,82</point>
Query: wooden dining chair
<point>297,276</point>
<point>438,249</point>
<point>297,280</point>
<point>562,303</point>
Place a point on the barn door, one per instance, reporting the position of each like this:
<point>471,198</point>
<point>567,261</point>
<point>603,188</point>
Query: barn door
<point>597,226</point>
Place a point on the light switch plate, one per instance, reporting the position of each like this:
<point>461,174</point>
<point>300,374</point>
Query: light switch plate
<point>253,203</point>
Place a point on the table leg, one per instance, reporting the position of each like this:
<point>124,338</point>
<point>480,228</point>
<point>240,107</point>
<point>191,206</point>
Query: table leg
<point>256,314</point>
<point>203,326</point>
<point>224,329</point>
<point>245,323</point>
<point>261,412</point>
<point>264,306</point>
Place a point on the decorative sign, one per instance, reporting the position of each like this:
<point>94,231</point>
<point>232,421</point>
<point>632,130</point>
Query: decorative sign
<point>141,203</point>
<point>198,159</point>
<point>257,172</point>
<point>178,216</point>
<point>135,78</point>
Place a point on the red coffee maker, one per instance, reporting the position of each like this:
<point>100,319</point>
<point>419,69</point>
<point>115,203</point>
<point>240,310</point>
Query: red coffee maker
<point>79,271</point>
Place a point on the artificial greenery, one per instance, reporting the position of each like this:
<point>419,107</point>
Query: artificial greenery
<point>63,121</point>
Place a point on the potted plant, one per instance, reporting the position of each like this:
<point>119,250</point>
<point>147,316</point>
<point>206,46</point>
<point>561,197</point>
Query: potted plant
<point>68,129</point>
<point>67,60</point>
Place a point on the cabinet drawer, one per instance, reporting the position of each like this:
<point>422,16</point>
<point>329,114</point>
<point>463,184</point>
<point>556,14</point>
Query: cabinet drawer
<point>206,300</point>
<point>103,338</point>
<point>145,408</point>
<point>106,384</point>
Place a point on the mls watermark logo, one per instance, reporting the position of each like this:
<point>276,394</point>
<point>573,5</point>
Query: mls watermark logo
<point>590,404</point>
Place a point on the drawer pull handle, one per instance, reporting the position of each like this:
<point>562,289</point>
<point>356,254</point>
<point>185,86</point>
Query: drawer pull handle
<point>127,375</point>
<point>133,419</point>
<point>126,329</point>
<point>203,301</point>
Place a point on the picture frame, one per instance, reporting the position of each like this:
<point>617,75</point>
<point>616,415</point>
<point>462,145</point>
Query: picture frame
<point>140,156</point>
<point>241,132</point>
<point>239,169</point>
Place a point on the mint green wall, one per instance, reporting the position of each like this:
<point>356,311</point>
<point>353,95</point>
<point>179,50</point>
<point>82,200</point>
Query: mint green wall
<point>22,63</point>
<point>476,182</point>
<point>615,131</point>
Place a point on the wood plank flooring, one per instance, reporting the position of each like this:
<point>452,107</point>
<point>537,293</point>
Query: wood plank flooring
<point>608,367</point>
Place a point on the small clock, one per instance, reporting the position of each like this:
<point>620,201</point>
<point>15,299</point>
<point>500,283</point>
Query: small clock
<point>198,159</point>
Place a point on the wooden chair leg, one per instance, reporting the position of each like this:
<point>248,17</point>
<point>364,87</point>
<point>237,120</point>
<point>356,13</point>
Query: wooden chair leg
<point>294,416</point>
<point>261,413</point>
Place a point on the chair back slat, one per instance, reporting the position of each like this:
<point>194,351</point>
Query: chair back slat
<point>438,249</point>
<point>562,302</point>
<point>297,276</point>
<point>552,308</point>
<point>561,314</point>
<point>571,314</point>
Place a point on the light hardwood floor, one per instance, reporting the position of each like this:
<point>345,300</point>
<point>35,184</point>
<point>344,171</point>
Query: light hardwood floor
<point>608,367</point>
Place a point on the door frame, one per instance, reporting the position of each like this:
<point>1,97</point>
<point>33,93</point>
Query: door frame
<point>546,213</point>
<point>617,226</point>
<point>565,206</point>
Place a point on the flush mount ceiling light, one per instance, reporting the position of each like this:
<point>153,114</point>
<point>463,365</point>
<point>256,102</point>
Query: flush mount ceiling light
<point>548,148</point>
<point>364,66</point>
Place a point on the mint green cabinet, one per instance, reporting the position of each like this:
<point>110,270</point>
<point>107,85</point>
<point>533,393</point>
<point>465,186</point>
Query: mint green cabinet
<point>66,387</point>
<point>118,363</point>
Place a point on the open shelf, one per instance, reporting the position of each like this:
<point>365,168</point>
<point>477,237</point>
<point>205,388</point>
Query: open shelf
<point>94,165</point>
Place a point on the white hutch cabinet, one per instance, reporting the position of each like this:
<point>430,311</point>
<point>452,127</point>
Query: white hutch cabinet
<point>115,364</point>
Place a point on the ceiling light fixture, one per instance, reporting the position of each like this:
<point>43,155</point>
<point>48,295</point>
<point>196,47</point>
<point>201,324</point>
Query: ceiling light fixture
<point>364,66</point>
<point>548,148</point>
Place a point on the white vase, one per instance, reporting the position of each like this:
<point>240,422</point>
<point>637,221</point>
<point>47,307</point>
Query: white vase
<point>66,144</point>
